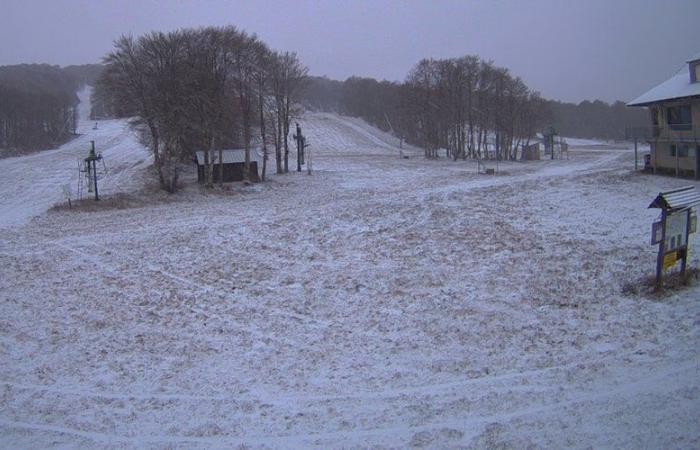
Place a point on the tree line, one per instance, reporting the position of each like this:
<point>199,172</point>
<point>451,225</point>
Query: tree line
<point>375,101</point>
<point>37,107</point>
<point>596,119</point>
<point>466,105</point>
<point>38,104</point>
<point>202,89</point>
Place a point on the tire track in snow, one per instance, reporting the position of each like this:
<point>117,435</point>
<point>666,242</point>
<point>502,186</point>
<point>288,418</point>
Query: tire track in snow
<point>657,382</point>
<point>424,389</point>
<point>198,285</point>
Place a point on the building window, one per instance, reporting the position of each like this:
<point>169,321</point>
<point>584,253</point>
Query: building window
<point>682,149</point>
<point>679,117</point>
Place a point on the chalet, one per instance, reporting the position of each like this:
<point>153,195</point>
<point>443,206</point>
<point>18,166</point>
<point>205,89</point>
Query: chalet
<point>674,135</point>
<point>234,163</point>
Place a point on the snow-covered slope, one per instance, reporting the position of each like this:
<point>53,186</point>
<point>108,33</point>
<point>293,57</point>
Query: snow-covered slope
<point>29,185</point>
<point>330,134</point>
<point>382,302</point>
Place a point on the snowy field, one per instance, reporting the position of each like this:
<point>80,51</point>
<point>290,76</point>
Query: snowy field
<point>381,302</point>
<point>29,185</point>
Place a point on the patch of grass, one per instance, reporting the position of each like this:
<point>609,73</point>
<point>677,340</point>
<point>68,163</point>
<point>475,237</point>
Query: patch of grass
<point>117,201</point>
<point>673,282</point>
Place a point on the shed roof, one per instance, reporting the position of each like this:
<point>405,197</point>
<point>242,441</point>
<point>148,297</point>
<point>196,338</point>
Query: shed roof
<point>677,198</point>
<point>230,156</point>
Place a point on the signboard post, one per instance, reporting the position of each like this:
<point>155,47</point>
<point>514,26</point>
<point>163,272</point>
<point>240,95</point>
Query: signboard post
<point>673,230</point>
<point>673,245</point>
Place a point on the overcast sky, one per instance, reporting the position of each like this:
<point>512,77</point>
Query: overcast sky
<point>568,50</point>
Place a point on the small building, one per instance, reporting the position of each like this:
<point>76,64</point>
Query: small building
<point>674,114</point>
<point>234,164</point>
<point>531,152</point>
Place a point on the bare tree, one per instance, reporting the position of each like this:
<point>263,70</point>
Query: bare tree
<point>145,77</point>
<point>262,76</point>
<point>288,78</point>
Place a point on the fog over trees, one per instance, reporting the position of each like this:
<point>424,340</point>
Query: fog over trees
<point>38,104</point>
<point>220,87</point>
<point>37,107</point>
<point>373,100</point>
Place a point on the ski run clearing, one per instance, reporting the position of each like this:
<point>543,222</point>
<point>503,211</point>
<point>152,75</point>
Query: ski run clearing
<point>381,302</point>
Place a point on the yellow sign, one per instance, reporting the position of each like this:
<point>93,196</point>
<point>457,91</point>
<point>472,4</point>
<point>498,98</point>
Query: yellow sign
<point>670,259</point>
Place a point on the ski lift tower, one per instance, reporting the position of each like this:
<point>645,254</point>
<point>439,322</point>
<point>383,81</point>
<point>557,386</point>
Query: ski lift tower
<point>301,149</point>
<point>91,167</point>
<point>548,137</point>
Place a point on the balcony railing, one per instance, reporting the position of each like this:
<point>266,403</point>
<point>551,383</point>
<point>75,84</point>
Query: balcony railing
<point>670,133</point>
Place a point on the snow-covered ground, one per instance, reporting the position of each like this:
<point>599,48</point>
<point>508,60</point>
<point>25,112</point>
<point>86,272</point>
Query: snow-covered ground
<point>29,185</point>
<point>380,302</point>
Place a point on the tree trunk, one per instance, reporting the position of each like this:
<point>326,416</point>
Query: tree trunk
<point>286,142</point>
<point>278,142</point>
<point>262,132</point>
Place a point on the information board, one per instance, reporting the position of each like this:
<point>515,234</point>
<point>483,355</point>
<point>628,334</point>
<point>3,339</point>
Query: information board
<point>676,227</point>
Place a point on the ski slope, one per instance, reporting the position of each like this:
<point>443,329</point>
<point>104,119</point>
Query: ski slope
<point>31,184</point>
<point>332,135</point>
<point>381,302</point>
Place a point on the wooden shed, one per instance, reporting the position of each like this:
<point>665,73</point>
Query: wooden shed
<point>234,163</point>
<point>531,152</point>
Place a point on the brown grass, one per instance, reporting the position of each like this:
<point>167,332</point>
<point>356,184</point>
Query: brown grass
<point>117,201</point>
<point>673,282</point>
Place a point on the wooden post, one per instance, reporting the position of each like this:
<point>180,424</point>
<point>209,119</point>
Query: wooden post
<point>300,146</point>
<point>684,261</point>
<point>635,155</point>
<point>309,163</point>
<point>94,174</point>
<point>660,257</point>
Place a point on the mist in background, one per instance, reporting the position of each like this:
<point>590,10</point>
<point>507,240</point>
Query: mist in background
<point>567,50</point>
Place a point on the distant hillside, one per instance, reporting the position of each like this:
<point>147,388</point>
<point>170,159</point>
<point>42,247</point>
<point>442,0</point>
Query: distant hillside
<point>37,107</point>
<point>595,119</point>
<point>85,73</point>
<point>588,119</point>
<point>324,94</point>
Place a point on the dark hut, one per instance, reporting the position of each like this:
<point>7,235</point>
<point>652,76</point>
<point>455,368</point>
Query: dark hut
<point>234,162</point>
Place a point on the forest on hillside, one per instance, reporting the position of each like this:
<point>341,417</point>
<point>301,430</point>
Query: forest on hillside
<point>468,106</point>
<point>38,105</point>
<point>371,100</point>
<point>436,107</point>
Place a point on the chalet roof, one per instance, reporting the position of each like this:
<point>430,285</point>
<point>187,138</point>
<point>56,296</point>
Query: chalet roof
<point>677,198</point>
<point>230,156</point>
<point>678,86</point>
<point>693,58</point>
